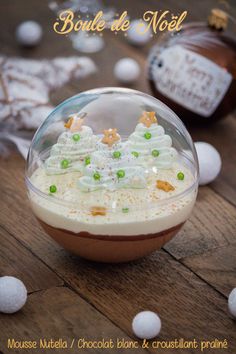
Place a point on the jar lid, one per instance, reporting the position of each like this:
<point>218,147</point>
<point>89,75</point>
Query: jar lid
<point>218,19</point>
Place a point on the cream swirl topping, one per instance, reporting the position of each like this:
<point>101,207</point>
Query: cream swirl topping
<point>112,169</point>
<point>153,146</point>
<point>70,151</point>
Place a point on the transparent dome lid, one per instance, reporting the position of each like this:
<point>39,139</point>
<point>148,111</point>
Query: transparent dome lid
<point>104,146</point>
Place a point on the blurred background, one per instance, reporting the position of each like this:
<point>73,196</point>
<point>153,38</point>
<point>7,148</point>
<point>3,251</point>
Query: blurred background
<point>114,47</point>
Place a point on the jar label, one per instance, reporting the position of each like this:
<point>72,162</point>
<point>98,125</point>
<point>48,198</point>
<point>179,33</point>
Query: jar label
<point>190,79</point>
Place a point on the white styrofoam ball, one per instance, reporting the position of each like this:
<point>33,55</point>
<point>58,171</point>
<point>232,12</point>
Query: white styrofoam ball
<point>146,325</point>
<point>138,33</point>
<point>232,302</point>
<point>29,33</point>
<point>209,162</point>
<point>13,294</point>
<point>127,70</point>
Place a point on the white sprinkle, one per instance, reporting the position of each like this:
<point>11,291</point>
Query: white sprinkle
<point>138,33</point>
<point>29,33</point>
<point>209,162</point>
<point>146,325</point>
<point>127,70</point>
<point>13,294</point>
<point>232,302</point>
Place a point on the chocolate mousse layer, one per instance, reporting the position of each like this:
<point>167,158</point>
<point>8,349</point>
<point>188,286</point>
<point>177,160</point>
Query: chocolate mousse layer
<point>110,249</point>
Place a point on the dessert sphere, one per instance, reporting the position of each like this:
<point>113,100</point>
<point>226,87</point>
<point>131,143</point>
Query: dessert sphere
<point>112,174</point>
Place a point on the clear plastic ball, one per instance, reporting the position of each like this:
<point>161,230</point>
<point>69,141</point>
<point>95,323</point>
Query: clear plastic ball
<point>112,174</point>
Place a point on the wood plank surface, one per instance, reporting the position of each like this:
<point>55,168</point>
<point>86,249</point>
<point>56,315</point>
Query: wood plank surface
<point>211,225</point>
<point>223,137</point>
<point>17,261</point>
<point>119,292</point>
<point>59,313</point>
<point>217,267</point>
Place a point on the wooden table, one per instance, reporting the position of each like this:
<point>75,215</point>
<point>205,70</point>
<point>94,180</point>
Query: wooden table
<point>187,283</point>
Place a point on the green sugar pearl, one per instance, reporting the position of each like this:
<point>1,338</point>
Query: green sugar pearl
<point>116,154</point>
<point>120,173</point>
<point>180,176</point>
<point>96,176</point>
<point>147,135</point>
<point>135,153</point>
<point>125,210</point>
<point>155,153</point>
<point>87,161</point>
<point>76,137</point>
<point>53,188</point>
<point>64,163</point>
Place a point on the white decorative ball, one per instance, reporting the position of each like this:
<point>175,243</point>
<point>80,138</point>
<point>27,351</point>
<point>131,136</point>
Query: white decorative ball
<point>138,33</point>
<point>29,33</point>
<point>209,162</point>
<point>13,294</point>
<point>232,302</point>
<point>127,70</point>
<point>146,325</point>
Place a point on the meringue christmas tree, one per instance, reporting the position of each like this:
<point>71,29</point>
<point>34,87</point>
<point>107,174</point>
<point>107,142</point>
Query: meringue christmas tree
<point>150,143</point>
<point>73,147</point>
<point>112,166</point>
<point>107,162</point>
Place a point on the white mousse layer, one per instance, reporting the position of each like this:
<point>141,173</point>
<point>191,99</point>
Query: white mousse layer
<point>129,211</point>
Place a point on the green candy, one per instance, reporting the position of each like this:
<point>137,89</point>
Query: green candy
<point>97,176</point>
<point>120,173</point>
<point>125,210</point>
<point>147,135</point>
<point>87,161</point>
<point>135,153</point>
<point>53,188</point>
<point>180,176</point>
<point>64,163</point>
<point>116,154</point>
<point>155,153</point>
<point>76,137</point>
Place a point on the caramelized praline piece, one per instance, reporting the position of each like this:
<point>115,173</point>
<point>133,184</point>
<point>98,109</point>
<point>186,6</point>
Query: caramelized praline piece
<point>165,186</point>
<point>98,210</point>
